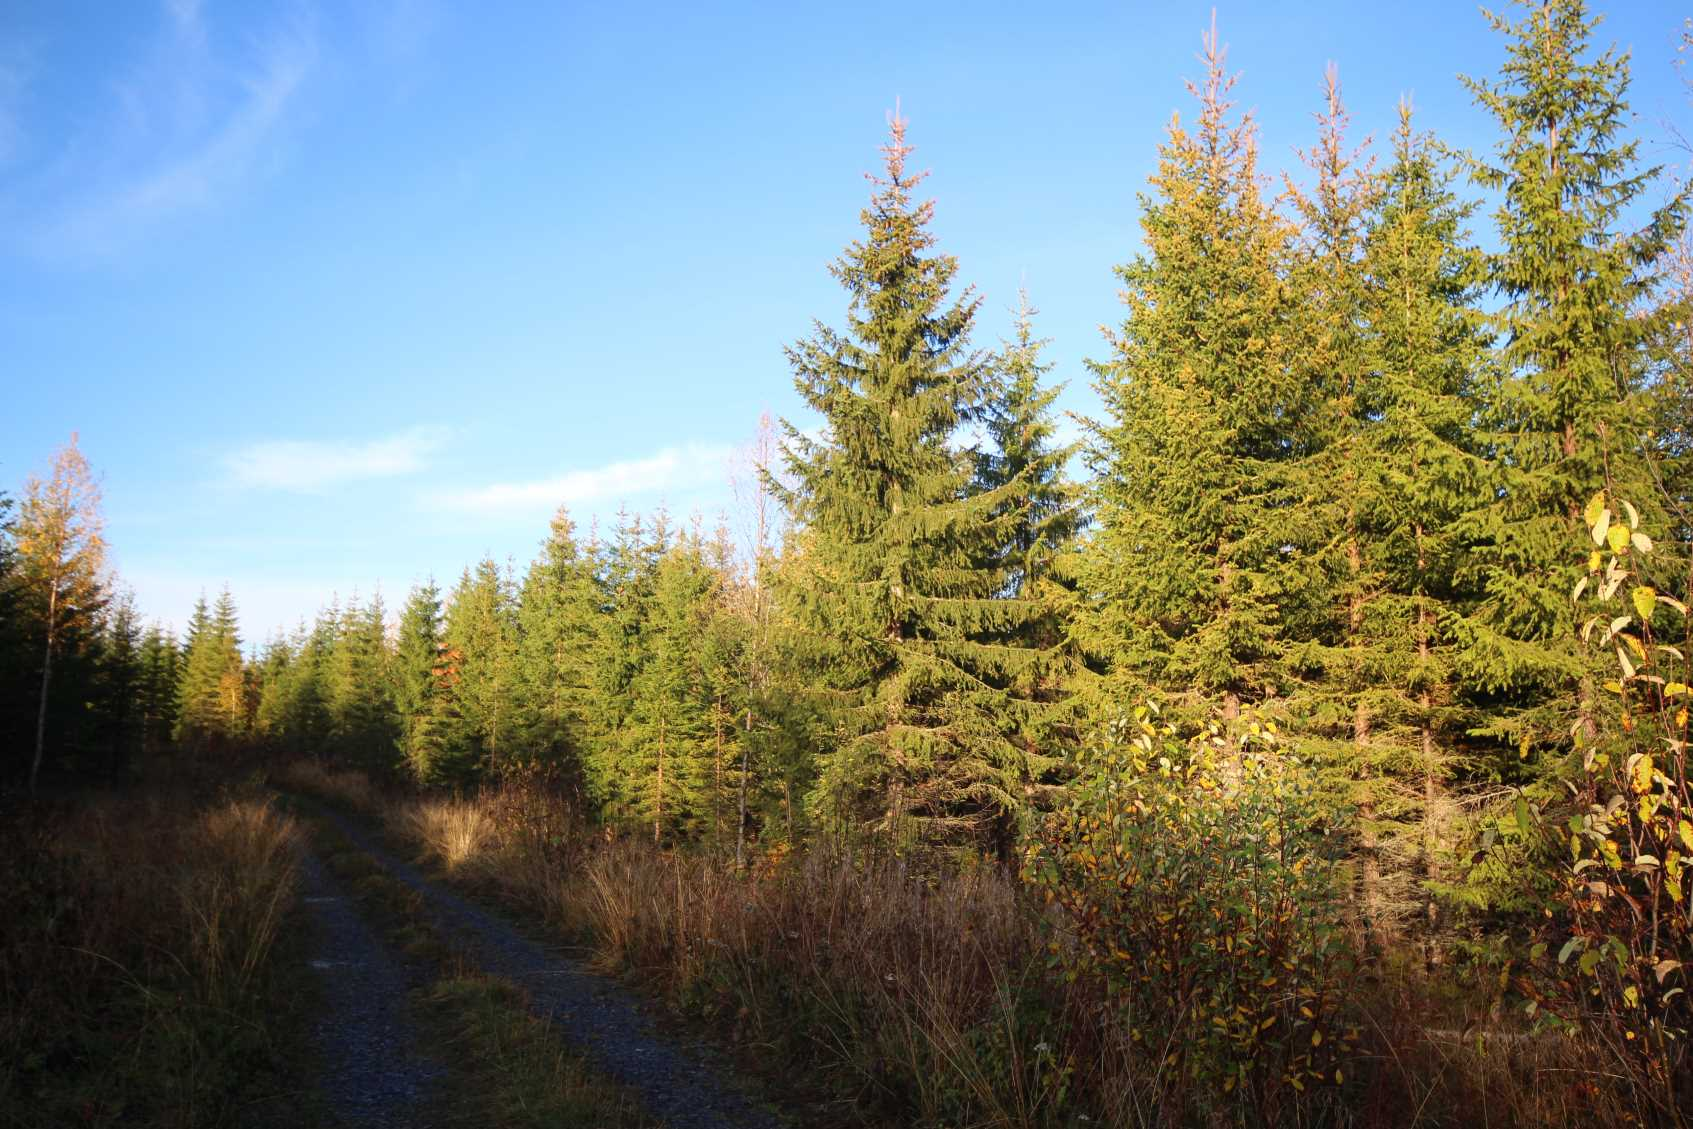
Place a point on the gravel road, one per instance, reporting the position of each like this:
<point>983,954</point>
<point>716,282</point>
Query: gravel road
<point>589,1009</point>
<point>374,1074</point>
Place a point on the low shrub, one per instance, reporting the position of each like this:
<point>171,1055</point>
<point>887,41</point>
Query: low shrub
<point>1198,887</point>
<point>1614,958</point>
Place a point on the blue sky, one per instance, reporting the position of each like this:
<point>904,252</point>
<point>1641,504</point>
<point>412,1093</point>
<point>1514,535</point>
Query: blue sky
<point>341,295</point>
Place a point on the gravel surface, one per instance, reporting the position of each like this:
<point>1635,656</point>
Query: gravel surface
<point>589,1009</point>
<point>374,1074</point>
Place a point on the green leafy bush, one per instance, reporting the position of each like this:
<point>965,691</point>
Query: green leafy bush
<point>1613,959</point>
<point>1196,882</point>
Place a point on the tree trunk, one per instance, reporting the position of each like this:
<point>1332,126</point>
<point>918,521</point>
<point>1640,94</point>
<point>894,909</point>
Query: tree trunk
<point>46,681</point>
<point>1431,772</point>
<point>41,715</point>
<point>741,827</point>
<point>658,806</point>
<point>1369,886</point>
<point>717,778</point>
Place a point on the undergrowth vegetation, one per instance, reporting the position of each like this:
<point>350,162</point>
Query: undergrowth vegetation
<point>138,975</point>
<point>961,995</point>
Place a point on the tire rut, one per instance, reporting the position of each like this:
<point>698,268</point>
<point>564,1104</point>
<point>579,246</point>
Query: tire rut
<point>375,1075</point>
<point>594,1012</point>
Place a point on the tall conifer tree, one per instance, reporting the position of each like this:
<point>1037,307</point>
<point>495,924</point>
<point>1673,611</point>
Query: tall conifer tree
<point>361,705</point>
<point>1568,414</point>
<point>900,585</point>
<point>1025,463</point>
<point>1424,466</point>
<point>61,551</point>
<point>481,632</point>
<point>416,677</point>
<point>1185,578</point>
<point>161,667</point>
<point>667,740</point>
<point>212,694</point>
<point>556,611</point>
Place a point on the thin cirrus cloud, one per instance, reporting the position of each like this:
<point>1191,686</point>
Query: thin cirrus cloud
<point>308,466</point>
<point>673,468</point>
<point>17,70</point>
<point>181,128</point>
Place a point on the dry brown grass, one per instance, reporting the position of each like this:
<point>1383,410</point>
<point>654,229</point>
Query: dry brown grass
<point>930,999</point>
<point>347,787</point>
<point>136,971</point>
<point>454,832</point>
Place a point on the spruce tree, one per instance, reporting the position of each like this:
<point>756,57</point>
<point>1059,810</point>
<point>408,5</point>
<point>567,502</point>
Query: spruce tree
<point>416,676</point>
<point>212,694</point>
<point>481,631</point>
<point>900,587</point>
<point>361,706</point>
<point>1025,463</point>
<point>119,682</point>
<point>1337,680</point>
<point>626,569</point>
<point>1206,413</point>
<point>310,722</point>
<point>1423,467</point>
<point>1568,413</point>
<point>161,668</point>
<point>727,671</point>
<point>556,612</point>
<point>667,739</point>
<point>274,671</point>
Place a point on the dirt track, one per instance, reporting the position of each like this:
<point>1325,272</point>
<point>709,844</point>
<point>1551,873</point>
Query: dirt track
<point>367,994</point>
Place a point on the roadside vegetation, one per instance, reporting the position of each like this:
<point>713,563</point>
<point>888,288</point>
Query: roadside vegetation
<point>141,980</point>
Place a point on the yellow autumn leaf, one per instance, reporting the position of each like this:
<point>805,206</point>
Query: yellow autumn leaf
<point>1645,599</point>
<point>1594,561</point>
<point>1640,772</point>
<point>1595,507</point>
<point>1617,538</point>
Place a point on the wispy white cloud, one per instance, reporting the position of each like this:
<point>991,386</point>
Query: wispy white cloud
<point>674,468</point>
<point>17,70</point>
<point>309,466</point>
<point>185,14</point>
<point>185,126</point>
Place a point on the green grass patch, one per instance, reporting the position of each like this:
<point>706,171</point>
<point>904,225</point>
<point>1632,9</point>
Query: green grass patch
<point>510,1068</point>
<point>507,1067</point>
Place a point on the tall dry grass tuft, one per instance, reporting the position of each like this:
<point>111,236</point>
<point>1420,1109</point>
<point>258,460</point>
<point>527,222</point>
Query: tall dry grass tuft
<point>236,899</point>
<point>455,832</point>
<point>347,787</point>
<point>137,973</point>
<point>921,993</point>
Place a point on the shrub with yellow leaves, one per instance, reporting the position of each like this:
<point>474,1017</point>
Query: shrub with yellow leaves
<point>1613,959</point>
<point>1197,882</point>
